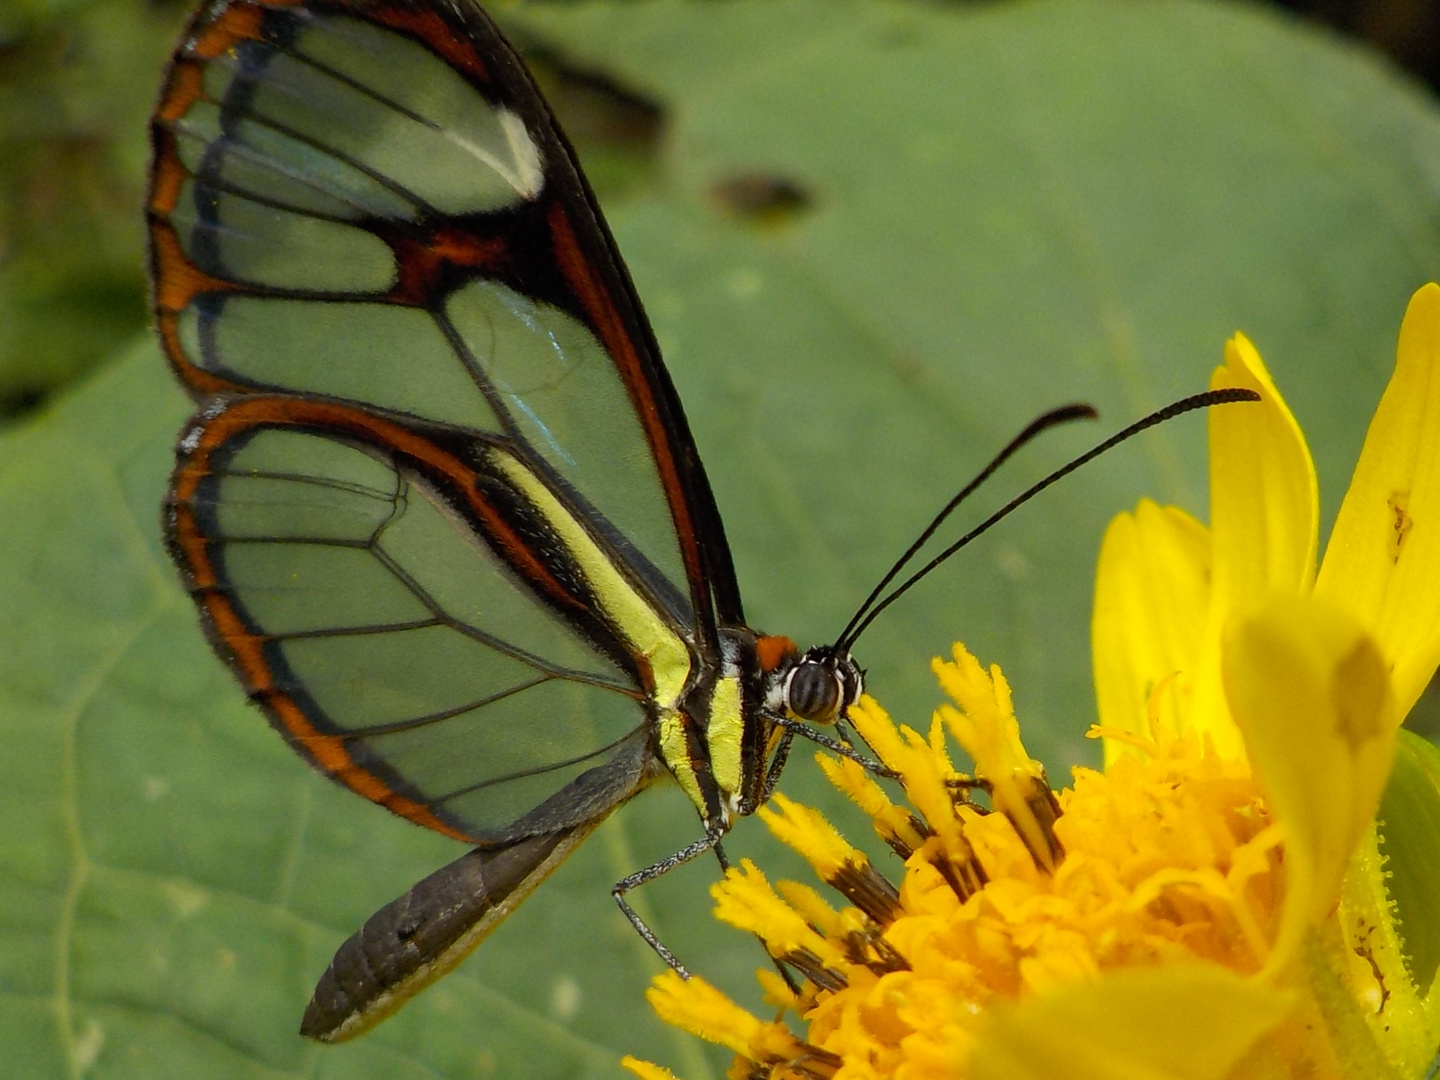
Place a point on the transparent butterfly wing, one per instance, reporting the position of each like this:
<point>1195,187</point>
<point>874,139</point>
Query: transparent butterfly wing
<point>378,267</point>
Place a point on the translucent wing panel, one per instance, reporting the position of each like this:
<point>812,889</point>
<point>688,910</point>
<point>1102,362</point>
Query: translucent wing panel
<point>384,355</point>
<point>541,739</point>
<point>471,155</point>
<point>372,102</point>
<point>442,562</point>
<point>562,395</point>
<point>390,625</point>
<point>326,462</point>
<point>281,169</point>
<point>296,140</point>
<point>302,586</point>
<point>250,242</point>
<point>392,106</point>
<point>399,677</point>
<point>265,508</point>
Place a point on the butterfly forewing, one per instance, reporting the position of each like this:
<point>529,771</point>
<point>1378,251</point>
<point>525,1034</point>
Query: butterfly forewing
<point>440,509</point>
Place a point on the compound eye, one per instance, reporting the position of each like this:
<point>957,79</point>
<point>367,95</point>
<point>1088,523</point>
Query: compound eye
<point>813,692</point>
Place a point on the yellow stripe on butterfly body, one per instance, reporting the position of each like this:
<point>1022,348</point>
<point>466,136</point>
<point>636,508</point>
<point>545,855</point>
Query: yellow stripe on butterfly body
<point>723,733</point>
<point>675,749</point>
<point>633,618</point>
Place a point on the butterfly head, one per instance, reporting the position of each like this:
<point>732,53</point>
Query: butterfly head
<point>822,684</point>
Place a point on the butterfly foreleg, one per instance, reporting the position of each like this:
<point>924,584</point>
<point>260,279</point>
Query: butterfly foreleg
<point>777,765</point>
<point>835,746</point>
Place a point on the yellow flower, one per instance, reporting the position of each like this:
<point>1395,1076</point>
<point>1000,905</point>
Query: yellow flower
<point>1213,903</point>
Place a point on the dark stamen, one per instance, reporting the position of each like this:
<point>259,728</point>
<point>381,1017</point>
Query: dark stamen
<point>810,966</point>
<point>868,890</point>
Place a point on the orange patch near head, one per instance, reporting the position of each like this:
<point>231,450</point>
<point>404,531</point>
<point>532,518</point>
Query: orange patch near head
<point>773,650</point>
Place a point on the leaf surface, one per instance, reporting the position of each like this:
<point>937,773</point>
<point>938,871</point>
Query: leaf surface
<point>990,212</point>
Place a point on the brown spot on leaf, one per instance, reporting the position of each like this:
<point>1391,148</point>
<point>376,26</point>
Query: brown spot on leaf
<point>595,109</point>
<point>758,199</point>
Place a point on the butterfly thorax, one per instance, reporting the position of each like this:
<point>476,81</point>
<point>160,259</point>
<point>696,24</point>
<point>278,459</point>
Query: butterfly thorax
<point>720,743</point>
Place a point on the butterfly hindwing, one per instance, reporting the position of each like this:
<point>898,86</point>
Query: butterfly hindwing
<point>362,603</point>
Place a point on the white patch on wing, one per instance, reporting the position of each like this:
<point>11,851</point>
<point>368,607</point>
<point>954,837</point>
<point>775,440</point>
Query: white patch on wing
<point>521,167</point>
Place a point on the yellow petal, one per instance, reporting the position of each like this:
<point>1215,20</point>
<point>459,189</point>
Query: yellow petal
<point>1264,510</point>
<point>745,900</point>
<point>1152,592</point>
<point>1264,501</point>
<point>699,1008</point>
<point>985,725</point>
<point>1310,691</point>
<point>1383,558</point>
<point>896,825</point>
<point>1190,1022</point>
<point>805,829</point>
<point>646,1070</point>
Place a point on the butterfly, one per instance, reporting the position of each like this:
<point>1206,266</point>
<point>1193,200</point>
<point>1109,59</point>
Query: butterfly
<point>440,509</point>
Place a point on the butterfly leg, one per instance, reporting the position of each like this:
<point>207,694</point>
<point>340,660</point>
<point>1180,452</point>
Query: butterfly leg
<point>835,746</point>
<point>709,841</point>
<point>776,766</point>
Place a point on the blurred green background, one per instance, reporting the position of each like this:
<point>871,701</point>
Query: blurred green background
<point>875,239</point>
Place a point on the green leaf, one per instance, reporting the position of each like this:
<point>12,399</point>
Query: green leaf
<point>77,82</point>
<point>986,212</point>
<point>1409,836</point>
